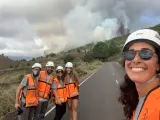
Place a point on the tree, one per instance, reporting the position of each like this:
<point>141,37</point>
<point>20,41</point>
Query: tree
<point>88,57</point>
<point>52,55</point>
<point>78,50</point>
<point>33,59</point>
<point>68,58</point>
<point>100,51</point>
<point>2,54</point>
<point>47,56</point>
<point>112,48</point>
<point>23,60</point>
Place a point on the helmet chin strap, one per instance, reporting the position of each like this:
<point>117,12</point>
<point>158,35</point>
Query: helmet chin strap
<point>149,81</point>
<point>153,78</point>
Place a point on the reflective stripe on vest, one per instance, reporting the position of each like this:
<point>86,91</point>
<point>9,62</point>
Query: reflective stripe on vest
<point>72,88</point>
<point>151,107</point>
<point>44,86</point>
<point>31,97</point>
<point>61,91</point>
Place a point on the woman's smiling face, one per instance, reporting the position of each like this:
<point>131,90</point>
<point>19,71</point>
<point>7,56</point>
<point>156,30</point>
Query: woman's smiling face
<point>138,70</point>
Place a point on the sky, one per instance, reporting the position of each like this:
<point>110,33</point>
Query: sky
<point>38,27</point>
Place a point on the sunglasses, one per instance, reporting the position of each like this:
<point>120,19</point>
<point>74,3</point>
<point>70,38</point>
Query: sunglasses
<point>60,71</point>
<point>69,68</point>
<point>144,54</point>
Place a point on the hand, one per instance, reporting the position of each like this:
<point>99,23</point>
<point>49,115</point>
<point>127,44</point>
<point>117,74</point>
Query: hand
<point>59,101</point>
<point>17,105</point>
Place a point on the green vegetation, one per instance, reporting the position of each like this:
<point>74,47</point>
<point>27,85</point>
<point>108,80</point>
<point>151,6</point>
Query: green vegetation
<point>88,57</point>
<point>100,51</point>
<point>28,64</point>
<point>68,58</point>
<point>11,66</point>
<point>51,55</point>
<point>33,59</point>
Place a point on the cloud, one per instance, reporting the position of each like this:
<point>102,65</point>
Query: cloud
<point>54,26</point>
<point>30,27</point>
<point>2,44</point>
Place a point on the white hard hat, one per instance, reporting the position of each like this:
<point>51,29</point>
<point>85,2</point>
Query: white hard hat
<point>59,68</point>
<point>50,64</point>
<point>37,65</point>
<point>69,64</point>
<point>146,35</point>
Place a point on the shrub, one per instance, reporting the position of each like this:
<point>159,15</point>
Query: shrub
<point>80,72</point>
<point>6,103</point>
<point>17,66</point>
<point>10,66</point>
<point>28,64</point>
<point>20,77</point>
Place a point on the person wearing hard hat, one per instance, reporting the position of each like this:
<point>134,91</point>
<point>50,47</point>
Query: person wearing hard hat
<point>27,94</point>
<point>72,87</point>
<point>59,92</point>
<point>44,90</point>
<point>140,91</point>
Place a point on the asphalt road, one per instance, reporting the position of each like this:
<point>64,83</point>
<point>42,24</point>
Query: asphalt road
<point>99,94</point>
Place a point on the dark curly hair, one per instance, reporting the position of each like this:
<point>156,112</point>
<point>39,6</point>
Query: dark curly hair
<point>128,97</point>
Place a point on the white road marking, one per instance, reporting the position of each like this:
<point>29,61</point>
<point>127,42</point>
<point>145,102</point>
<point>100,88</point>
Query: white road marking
<point>86,79</point>
<point>50,110</point>
<point>117,82</point>
<point>79,85</point>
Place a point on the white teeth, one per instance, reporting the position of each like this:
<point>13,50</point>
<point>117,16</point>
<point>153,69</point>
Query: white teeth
<point>137,69</point>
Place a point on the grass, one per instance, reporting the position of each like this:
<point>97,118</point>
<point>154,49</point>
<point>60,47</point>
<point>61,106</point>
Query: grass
<point>7,99</point>
<point>13,77</point>
<point>85,69</point>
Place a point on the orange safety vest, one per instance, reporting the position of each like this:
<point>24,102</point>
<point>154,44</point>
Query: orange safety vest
<point>151,107</point>
<point>31,98</point>
<point>44,87</point>
<point>72,88</point>
<point>61,92</point>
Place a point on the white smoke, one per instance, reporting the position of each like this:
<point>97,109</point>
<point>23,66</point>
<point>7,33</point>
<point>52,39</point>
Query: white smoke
<point>107,29</point>
<point>84,26</point>
<point>56,25</point>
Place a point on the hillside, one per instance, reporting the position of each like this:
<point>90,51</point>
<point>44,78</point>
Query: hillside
<point>6,62</point>
<point>119,41</point>
<point>86,59</point>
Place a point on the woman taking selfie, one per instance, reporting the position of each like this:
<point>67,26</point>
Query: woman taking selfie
<point>140,91</point>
